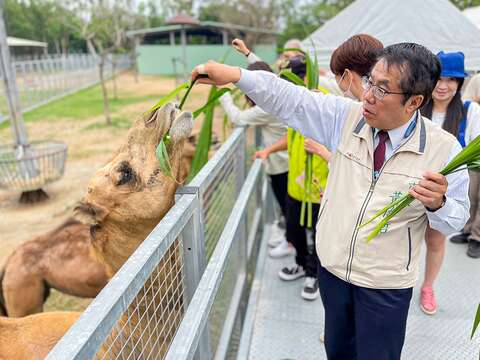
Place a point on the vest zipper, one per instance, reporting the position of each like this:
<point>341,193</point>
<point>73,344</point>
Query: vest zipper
<point>409,248</point>
<point>362,211</point>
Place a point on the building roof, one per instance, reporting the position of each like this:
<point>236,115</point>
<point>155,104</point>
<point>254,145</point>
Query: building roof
<point>182,19</point>
<point>436,24</point>
<point>14,41</point>
<point>206,24</point>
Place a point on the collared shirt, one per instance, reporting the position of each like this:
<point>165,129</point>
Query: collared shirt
<point>321,117</point>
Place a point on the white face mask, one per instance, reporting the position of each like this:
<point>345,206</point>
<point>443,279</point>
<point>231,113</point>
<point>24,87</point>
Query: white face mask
<point>347,93</point>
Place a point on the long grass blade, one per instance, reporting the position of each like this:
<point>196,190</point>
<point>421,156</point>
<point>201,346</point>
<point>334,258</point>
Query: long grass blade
<point>211,101</point>
<point>383,211</point>
<point>292,77</point>
<point>476,322</point>
<point>169,97</point>
<point>200,157</point>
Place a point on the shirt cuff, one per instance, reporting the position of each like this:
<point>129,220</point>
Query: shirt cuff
<point>445,210</point>
<point>247,81</point>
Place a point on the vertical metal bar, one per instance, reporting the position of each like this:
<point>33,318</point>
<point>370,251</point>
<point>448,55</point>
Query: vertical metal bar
<point>11,91</point>
<point>193,237</point>
<point>183,36</point>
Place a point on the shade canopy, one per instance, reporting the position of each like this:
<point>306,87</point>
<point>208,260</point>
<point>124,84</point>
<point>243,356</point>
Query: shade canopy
<point>436,24</point>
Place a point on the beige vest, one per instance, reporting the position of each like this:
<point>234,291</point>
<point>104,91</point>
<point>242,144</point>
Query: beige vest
<point>389,261</point>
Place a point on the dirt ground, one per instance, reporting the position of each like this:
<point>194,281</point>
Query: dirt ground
<point>88,150</point>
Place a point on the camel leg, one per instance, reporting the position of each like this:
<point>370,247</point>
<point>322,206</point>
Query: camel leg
<point>24,293</point>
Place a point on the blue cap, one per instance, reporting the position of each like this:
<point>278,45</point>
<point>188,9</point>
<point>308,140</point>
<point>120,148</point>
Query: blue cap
<point>453,64</point>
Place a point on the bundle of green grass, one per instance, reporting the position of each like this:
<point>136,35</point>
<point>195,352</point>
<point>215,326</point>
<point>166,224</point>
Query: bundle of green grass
<point>468,158</point>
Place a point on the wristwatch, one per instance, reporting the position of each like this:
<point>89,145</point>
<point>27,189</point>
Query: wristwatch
<point>441,205</point>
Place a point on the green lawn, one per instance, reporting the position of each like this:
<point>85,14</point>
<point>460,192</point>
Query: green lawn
<point>82,105</point>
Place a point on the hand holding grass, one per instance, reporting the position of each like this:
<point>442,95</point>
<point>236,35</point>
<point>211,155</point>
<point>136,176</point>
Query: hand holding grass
<point>218,74</point>
<point>431,190</point>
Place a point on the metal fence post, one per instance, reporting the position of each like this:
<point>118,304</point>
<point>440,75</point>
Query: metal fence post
<point>193,237</point>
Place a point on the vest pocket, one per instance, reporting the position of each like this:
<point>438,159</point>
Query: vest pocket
<point>409,258</point>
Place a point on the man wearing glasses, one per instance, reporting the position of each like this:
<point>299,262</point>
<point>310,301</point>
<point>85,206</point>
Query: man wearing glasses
<point>381,150</point>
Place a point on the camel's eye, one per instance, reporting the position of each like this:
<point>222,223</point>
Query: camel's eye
<point>126,174</point>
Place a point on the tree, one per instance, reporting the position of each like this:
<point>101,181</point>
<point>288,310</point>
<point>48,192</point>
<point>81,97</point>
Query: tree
<point>103,24</point>
<point>261,14</point>
<point>43,20</point>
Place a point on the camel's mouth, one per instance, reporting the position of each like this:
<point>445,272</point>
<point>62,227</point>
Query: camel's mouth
<point>169,119</point>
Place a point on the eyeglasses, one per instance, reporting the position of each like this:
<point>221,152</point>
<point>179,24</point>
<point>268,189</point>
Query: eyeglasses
<point>378,91</point>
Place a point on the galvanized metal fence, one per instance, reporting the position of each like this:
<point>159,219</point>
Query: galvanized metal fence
<point>52,77</point>
<point>184,290</point>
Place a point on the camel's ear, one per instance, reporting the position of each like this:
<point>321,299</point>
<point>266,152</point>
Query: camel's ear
<point>90,213</point>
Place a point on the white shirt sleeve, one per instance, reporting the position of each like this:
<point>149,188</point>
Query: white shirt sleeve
<point>314,115</point>
<point>251,116</point>
<point>453,216</point>
<point>253,58</point>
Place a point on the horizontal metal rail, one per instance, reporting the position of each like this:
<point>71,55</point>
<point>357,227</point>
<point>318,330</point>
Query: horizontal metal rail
<point>194,322</point>
<point>86,336</point>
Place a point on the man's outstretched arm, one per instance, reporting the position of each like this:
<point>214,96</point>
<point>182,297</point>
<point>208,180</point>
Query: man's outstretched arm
<point>315,115</point>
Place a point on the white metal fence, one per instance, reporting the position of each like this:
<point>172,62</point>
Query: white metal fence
<point>40,81</point>
<point>192,274</point>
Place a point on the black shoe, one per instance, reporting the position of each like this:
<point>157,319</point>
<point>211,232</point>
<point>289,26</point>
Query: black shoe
<point>474,249</point>
<point>460,238</point>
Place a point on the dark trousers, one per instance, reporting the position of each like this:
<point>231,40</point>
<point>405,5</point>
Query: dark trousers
<point>279,184</point>
<point>297,235</point>
<point>362,323</point>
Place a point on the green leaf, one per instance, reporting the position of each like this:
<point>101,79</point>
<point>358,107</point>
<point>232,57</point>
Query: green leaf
<point>202,148</point>
<point>211,101</point>
<point>163,159</point>
<point>476,322</point>
<point>292,77</point>
<point>169,97</point>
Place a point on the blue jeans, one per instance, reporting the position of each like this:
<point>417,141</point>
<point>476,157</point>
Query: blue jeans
<point>362,323</point>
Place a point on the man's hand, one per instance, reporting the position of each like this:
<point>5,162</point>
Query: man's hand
<point>262,154</point>
<point>240,46</point>
<point>431,190</point>
<point>218,74</point>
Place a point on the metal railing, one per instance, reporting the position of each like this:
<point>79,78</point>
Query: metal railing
<point>43,80</point>
<point>173,281</point>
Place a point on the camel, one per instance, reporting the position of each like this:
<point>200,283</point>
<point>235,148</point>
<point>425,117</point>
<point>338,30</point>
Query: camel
<point>60,259</point>
<point>125,200</point>
<point>32,337</point>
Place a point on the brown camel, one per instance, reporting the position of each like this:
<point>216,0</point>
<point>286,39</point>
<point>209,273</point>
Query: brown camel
<point>125,200</point>
<point>32,337</point>
<point>60,259</point>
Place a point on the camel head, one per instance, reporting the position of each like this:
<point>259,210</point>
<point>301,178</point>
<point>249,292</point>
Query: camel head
<point>128,196</point>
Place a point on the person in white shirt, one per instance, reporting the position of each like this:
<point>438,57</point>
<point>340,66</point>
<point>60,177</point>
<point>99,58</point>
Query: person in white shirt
<point>461,119</point>
<point>272,130</point>
<point>381,148</point>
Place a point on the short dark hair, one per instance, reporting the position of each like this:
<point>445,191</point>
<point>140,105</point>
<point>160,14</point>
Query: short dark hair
<point>298,65</point>
<point>420,68</point>
<point>358,53</point>
<point>259,65</point>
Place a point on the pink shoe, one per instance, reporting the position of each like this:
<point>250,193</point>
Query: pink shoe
<point>428,303</point>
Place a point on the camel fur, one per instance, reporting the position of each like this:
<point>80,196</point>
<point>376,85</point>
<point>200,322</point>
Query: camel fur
<point>60,259</point>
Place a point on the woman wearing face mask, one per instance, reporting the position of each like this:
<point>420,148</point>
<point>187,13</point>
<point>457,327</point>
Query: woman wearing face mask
<point>353,60</point>
<point>462,120</point>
